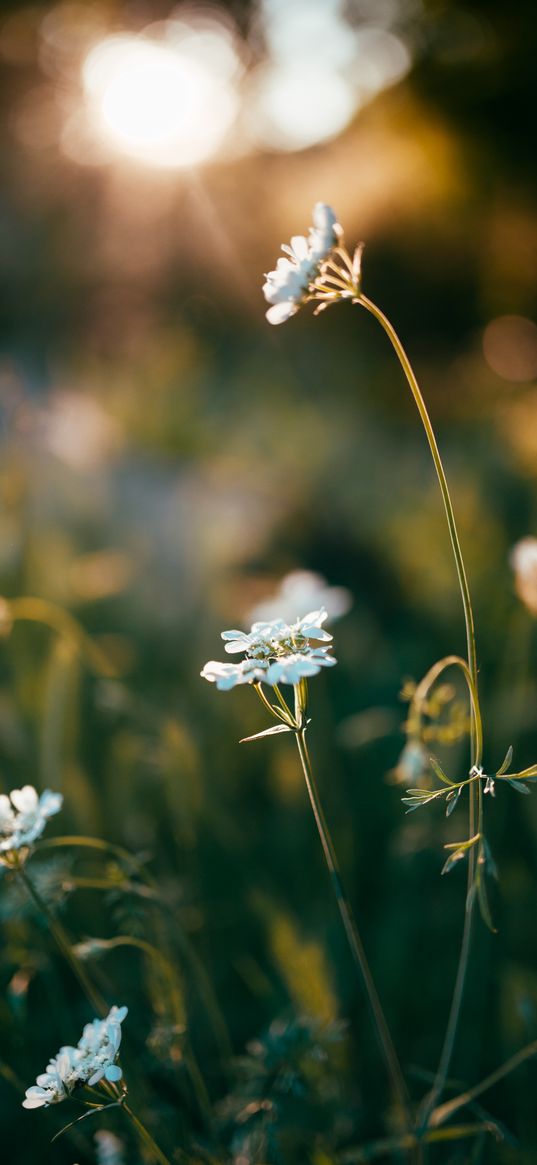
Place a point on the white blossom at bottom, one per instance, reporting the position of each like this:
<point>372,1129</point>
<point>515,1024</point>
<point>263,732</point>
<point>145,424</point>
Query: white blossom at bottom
<point>93,1059</point>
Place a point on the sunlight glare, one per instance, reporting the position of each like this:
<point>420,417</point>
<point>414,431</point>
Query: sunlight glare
<point>157,102</point>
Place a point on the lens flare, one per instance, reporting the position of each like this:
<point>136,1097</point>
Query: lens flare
<point>157,102</point>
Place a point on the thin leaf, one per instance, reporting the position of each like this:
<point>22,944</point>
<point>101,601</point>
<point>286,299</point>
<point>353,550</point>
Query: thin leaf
<point>439,772</point>
<point>452,860</point>
<point>505,765</point>
<point>490,864</point>
<point>520,788</point>
<point>529,774</point>
<point>417,797</point>
<point>470,841</point>
<point>484,903</point>
<point>470,896</point>
<point>268,732</point>
<point>452,801</point>
<point>93,1111</point>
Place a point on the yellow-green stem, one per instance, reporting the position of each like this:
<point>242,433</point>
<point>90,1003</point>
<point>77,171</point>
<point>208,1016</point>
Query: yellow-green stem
<point>451,1030</point>
<point>446,498</point>
<point>146,1137</point>
<point>353,935</point>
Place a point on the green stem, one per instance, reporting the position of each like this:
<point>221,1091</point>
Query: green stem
<point>425,685</point>
<point>145,1136</point>
<point>444,489</point>
<point>458,991</point>
<point>444,1111</point>
<point>353,936</point>
<point>62,940</point>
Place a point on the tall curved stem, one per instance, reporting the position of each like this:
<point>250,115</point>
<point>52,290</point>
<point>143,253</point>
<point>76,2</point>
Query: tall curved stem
<point>474,793</point>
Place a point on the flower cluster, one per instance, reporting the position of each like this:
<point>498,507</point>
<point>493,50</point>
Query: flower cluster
<point>275,653</point>
<point>287,287</point>
<point>23,816</point>
<point>93,1060</point>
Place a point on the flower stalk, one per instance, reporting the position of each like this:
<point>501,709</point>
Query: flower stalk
<point>351,930</point>
<point>334,277</point>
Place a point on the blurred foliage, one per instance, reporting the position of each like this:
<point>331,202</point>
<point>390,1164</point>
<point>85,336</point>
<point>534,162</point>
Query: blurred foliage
<point>166,458</point>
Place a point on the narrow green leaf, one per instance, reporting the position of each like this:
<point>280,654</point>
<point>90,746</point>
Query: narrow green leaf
<point>520,788</point>
<point>439,772</point>
<point>93,1111</point>
<point>268,732</point>
<point>470,896</point>
<point>452,860</point>
<point>452,799</point>
<point>490,864</point>
<point>529,774</point>
<point>505,765</point>
<point>470,841</point>
<point>484,903</point>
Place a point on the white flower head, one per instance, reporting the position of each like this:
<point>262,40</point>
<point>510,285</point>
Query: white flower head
<point>23,817</point>
<point>299,592</point>
<point>523,559</point>
<point>288,286</point>
<point>275,652</point>
<point>93,1059</point>
<point>291,669</point>
<point>99,1046</point>
<point>228,675</point>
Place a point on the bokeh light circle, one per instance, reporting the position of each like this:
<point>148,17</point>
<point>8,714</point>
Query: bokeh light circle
<point>157,102</point>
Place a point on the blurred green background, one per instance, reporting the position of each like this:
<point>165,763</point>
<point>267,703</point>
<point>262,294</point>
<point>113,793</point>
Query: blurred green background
<point>167,457</point>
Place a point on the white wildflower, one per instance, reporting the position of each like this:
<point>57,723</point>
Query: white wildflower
<point>93,1059</point>
<point>523,560</point>
<point>270,638</point>
<point>301,665</point>
<point>287,287</point>
<point>299,592</point>
<point>259,641</point>
<point>50,1086</point>
<point>23,817</point>
<point>275,652</point>
<point>99,1046</point>
<point>228,675</point>
<point>310,626</point>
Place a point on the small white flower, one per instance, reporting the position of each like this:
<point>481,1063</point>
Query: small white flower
<point>301,665</point>
<point>23,817</point>
<point>259,641</point>
<point>287,287</point>
<point>523,559</point>
<point>310,626</point>
<point>7,817</point>
<point>228,675</point>
<point>275,652</point>
<point>33,812</point>
<point>49,1089</point>
<point>93,1059</point>
<point>272,637</point>
<point>299,592</point>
